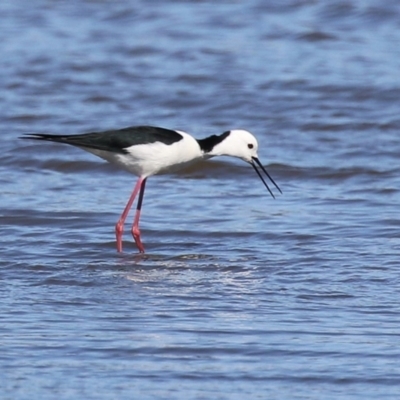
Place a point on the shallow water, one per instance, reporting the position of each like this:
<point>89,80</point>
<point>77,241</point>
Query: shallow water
<point>238,294</point>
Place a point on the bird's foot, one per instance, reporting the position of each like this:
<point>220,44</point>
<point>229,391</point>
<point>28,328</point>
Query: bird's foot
<point>119,229</point>
<point>136,237</point>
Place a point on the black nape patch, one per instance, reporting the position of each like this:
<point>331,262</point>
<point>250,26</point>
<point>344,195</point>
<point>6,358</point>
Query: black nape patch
<point>210,142</point>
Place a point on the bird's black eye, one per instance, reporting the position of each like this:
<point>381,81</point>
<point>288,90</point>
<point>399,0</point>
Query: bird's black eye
<point>250,145</point>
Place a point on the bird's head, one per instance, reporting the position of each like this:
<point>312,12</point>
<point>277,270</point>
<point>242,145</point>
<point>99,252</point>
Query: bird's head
<point>237,143</point>
<point>242,144</point>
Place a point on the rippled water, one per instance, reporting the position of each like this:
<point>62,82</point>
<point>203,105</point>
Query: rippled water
<point>238,294</point>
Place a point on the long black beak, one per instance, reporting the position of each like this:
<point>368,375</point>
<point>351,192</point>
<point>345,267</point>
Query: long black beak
<point>257,161</point>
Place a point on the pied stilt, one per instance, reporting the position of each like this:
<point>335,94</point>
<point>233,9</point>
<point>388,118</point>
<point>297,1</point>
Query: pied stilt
<point>145,151</point>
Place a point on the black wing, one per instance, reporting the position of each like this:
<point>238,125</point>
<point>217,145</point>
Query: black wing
<point>116,141</point>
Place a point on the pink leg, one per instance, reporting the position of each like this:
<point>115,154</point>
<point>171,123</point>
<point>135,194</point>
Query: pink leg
<point>119,227</point>
<point>135,227</point>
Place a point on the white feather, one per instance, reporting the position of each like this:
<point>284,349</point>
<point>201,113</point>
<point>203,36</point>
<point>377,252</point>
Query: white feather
<point>155,158</point>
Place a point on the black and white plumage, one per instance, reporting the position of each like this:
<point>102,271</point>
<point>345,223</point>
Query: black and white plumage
<point>145,151</point>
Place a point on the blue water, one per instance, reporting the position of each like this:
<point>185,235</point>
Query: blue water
<point>238,294</point>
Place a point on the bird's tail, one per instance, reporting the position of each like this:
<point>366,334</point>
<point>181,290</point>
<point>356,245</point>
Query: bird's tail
<point>48,137</point>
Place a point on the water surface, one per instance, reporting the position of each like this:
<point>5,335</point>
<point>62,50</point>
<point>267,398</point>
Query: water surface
<point>238,294</point>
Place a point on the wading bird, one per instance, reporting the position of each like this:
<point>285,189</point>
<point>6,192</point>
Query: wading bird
<point>145,151</point>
